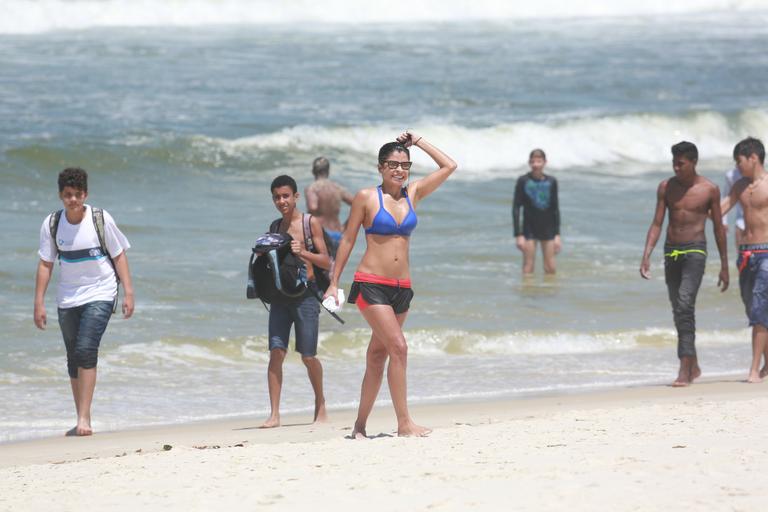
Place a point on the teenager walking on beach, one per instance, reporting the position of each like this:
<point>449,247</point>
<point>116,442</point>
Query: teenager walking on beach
<point>324,197</point>
<point>91,252</point>
<point>302,312</point>
<point>382,283</point>
<point>752,193</point>
<point>690,199</point>
<point>536,195</point>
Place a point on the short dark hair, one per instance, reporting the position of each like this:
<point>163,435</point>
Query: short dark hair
<point>748,147</point>
<point>74,177</point>
<point>687,150</point>
<point>282,181</point>
<point>321,166</point>
<point>537,152</point>
<point>391,147</point>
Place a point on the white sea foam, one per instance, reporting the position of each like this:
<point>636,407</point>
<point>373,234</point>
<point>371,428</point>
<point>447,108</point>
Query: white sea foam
<point>422,343</point>
<point>34,16</point>
<point>190,354</point>
<point>638,140</point>
<point>453,342</point>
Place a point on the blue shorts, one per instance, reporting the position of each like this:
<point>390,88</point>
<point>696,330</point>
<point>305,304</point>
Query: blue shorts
<point>82,328</point>
<point>753,282</point>
<point>334,235</point>
<point>305,315</point>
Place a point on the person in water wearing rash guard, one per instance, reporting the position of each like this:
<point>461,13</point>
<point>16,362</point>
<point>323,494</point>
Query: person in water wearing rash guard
<point>382,283</point>
<point>752,193</point>
<point>536,195</point>
<point>690,199</point>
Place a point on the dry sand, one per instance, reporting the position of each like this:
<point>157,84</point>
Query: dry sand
<point>650,448</point>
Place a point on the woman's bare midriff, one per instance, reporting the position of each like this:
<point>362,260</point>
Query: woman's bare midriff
<point>386,256</point>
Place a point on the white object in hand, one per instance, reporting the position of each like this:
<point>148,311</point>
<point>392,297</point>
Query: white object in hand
<point>330,304</point>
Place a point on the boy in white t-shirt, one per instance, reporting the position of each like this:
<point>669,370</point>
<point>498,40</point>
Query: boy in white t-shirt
<point>91,252</point>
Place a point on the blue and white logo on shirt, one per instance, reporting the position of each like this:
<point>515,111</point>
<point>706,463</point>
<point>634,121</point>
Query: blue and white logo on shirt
<point>539,193</point>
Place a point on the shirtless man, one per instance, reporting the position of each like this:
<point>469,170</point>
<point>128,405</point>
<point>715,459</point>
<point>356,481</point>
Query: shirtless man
<point>324,199</point>
<point>752,193</point>
<point>690,199</point>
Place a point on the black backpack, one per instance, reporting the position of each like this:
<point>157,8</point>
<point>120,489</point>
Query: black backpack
<point>275,274</point>
<point>279,276</point>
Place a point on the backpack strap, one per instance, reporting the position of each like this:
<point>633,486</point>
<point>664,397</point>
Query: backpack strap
<point>53,226</point>
<point>305,220</point>
<point>275,226</point>
<point>98,223</point>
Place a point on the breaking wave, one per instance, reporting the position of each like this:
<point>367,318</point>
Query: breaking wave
<point>35,16</point>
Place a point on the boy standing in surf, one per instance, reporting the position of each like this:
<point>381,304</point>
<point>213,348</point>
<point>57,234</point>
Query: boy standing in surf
<point>91,253</point>
<point>536,195</point>
<point>752,193</point>
<point>690,199</point>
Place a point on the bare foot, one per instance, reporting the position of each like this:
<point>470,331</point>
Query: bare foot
<point>754,378</point>
<point>413,430</point>
<point>683,378</point>
<point>358,432</point>
<point>695,372</point>
<point>272,422</point>
<point>764,371</point>
<point>689,370</point>
<point>320,415</point>
<point>81,429</point>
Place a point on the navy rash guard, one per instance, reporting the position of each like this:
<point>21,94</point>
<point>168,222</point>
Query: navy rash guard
<point>541,211</point>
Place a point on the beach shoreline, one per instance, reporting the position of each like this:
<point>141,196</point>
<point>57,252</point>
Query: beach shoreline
<point>597,446</point>
<point>298,427</point>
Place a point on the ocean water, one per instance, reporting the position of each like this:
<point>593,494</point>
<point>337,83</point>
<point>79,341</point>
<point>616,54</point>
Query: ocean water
<point>183,112</point>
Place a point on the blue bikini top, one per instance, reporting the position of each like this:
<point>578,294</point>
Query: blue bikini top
<point>385,224</point>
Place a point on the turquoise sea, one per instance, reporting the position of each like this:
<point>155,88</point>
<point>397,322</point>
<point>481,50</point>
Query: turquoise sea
<point>183,112</point>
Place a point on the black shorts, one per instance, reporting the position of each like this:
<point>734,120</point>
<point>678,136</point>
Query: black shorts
<point>542,235</point>
<point>397,294</point>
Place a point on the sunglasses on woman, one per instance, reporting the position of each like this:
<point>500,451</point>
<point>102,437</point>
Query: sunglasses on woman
<point>393,164</point>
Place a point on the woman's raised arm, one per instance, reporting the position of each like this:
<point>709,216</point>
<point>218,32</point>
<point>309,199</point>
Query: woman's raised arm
<point>422,188</point>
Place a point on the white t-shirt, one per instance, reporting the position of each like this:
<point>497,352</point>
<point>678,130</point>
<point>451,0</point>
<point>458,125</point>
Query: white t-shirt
<point>86,274</point>
<point>732,177</point>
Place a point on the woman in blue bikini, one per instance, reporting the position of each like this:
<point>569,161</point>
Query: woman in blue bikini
<point>382,285</point>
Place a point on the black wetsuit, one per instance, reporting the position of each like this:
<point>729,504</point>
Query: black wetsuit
<point>541,211</point>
